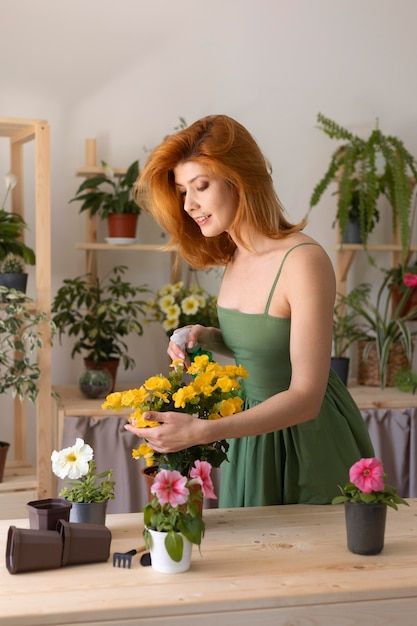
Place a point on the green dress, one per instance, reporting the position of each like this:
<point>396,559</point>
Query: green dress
<point>299,464</point>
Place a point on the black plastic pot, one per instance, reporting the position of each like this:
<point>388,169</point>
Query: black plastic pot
<point>89,512</point>
<point>84,543</point>
<point>28,550</point>
<point>13,280</point>
<point>365,527</point>
<point>352,232</point>
<point>44,514</point>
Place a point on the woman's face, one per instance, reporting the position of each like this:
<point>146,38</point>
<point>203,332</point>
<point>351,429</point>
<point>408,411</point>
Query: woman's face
<point>207,198</point>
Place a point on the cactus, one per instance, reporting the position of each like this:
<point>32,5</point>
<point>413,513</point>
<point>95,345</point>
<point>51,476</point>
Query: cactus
<point>12,265</point>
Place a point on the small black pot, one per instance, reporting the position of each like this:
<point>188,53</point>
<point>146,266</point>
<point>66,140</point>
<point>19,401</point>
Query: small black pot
<point>44,514</point>
<point>365,527</point>
<point>340,365</point>
<point>352,232</point>
<point>13,280</point>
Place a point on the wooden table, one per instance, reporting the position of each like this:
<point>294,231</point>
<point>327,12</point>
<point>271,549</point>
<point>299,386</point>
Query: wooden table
<point>271,565</point>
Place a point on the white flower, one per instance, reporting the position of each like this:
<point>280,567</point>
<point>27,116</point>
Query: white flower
<point>190,305</point>
<point>72,462</point>
<point>170,324</point>
<point>173,312</point>
<point>10,180</point>
<point>165,302</point>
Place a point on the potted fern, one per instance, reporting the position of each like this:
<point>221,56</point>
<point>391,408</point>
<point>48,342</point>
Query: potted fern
<point>111,197</point>
<point>363,170</point>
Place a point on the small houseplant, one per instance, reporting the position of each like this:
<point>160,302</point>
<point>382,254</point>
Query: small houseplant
<point>363,170</point>
<point>99,314</point>
<point>20,338</point>
<point>12,246</point>
<point>173,520</point>
<point>12,274</point>
<point>205,389</point>
<point>387,340</point>
<point>403,280</point>
<point>88,490</point>
<point>111,197</point>
<point>176,305</point>
<point>366,497</point>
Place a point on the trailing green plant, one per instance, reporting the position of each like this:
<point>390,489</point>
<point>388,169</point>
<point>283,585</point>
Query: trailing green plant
<point>363,170</point>
<point>379,324</point>
<point>99,314</point>
<point>20,338</point>
<point>12,226</point>
<point>107,193</point>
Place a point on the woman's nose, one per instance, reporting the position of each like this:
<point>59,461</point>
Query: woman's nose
<point>190,203</point>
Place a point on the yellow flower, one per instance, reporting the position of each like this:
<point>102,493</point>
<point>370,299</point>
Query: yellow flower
<point>199,364</point>
<point>183,395</point>
<point>214,416</point>
<point>144,451</point>
<point>173,312</point>
<point>177,365</point>
<point>230,406</point>
<point>226,384</point>
<point>157,383</point>
<point>170,324</point>
<point>190,305</point>
<point>136,419</point>
<point>113,401</point>
<point>165,302</point>
<point>134,397</point>
<point>236,371</point>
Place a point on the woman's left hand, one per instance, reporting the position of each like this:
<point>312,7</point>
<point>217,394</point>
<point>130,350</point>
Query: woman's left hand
<point>176,432</point>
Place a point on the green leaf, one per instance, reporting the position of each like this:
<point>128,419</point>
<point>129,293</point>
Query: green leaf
<point>174,545</point>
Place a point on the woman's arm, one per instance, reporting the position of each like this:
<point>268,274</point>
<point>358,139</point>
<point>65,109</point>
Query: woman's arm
<point>309,285</point>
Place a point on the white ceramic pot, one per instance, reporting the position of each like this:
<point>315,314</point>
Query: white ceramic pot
<point>161,561</point>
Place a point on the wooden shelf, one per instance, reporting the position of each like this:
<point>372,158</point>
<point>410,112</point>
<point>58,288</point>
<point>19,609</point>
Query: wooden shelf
<point>145,247</point>
<point>388,398</point>
<point>95,170</point>
<point>381,247</point>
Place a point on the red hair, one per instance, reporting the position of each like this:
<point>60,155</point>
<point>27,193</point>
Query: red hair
<point>227,149</point>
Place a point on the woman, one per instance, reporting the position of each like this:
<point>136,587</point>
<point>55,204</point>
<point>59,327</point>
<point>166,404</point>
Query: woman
<point>209,187</point>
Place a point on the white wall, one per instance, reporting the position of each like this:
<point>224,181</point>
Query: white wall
<point>124,72</point>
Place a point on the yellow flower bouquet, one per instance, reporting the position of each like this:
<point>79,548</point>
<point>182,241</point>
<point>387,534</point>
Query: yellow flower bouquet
<point>176,305</point>
<point>206,389</point>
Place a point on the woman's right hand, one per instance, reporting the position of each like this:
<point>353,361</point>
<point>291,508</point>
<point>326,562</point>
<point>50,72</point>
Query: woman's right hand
<point>193,337</point>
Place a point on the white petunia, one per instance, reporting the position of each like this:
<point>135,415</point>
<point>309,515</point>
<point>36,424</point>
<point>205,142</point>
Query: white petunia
<point>173,312</point>
<point>165,302</point>
<point>190,305</point>
<point>170,324</point>
<point>72,462</point>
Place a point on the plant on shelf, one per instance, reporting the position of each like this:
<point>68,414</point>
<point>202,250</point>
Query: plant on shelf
<point>12,273</point>
<point>176,305</point>
<point>403,281</point>
<point>383,331</point>
<point>77,465</point>
<point>99,314</point>
<point>111,197</point>
<point>175,509</point>
<point>206,389</point>
<point>406,380</point>
<point>20,338</point>
<point>363,170</point>
<point>12,226</point>
<point>366,497</point>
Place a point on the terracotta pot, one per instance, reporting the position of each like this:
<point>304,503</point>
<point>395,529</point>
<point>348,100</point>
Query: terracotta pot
<point>368,369</point>
<point>365,527</point>
<point>122,225</point>
<point>4,447</point>
<point>396,296</point>
<point>110,366</point>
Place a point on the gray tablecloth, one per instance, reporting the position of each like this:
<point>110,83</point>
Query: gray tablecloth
<point>393,433</point>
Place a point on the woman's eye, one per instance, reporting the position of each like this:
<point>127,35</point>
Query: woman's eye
<point>202,187</point>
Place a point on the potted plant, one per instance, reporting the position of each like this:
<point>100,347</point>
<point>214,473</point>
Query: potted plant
<point>363,170</point>
<point>403,280</point>
<point>88,491</point>
<point>111,197</point>
<point>20,338</point>
<point>99,314</point>
<point>12,247</point>
<point>366,498</point>
<point>173,520</point>
<point>176,305</point>
<point>12,273</point>
<point>386,345</point>
<point>345,330</point>
<point>212,392</point>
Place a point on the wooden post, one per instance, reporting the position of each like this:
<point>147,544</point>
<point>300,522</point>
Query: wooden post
<point>91,221</point>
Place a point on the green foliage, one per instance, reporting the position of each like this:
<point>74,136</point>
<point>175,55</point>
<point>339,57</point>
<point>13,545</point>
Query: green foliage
<point>346,329</point>
<point>20,338</point>
<point>183,519</point>
<point>99,314</point>
<point>90,488</point>
<point>360,182</point>
<point>351,493</point>
<point>106,193</point>
<point>11,229</point>
<point>406,380</point>
<point>378,323</point>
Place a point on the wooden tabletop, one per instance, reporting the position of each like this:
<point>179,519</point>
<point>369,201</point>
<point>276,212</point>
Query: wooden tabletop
<point>269,565</point>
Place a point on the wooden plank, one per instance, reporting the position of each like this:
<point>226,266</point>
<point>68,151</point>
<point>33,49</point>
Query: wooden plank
<point>93,170</point>
<point>144,247</point>
<point>382,247</point>
<point>13,504</point>
<point>274,565</point>
<point>18,482</point>
<point>389,398</point>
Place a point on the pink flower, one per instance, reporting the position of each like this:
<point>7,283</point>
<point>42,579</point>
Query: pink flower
<point>410,280</point>
<point>169,487</point>
<point>202,470</point>
<point>367,475</point>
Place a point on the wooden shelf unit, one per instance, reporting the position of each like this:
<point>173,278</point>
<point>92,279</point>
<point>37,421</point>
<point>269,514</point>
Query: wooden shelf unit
<point>19,132</point>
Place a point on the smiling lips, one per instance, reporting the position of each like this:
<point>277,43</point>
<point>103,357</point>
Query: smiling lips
<point>202,219</point>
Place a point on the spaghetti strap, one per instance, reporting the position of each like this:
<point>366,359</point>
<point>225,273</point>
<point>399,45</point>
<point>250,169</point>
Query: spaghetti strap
<point>274,284</point>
